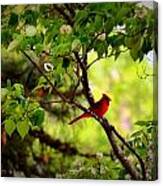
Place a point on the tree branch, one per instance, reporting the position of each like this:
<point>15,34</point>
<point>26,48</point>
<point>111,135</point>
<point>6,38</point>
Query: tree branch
<point>69,7</point>
<point>62,12</point>
<point>44,75</point>
<point>85,83</point>
<point>108,128</point>
<point>119,154</point>
<point>65,148</point>
<point>45,138</point>
<point>133,151</point>
<point>83,63</point>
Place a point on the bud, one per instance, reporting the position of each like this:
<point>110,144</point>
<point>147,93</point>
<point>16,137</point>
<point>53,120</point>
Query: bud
<point>65,29</point>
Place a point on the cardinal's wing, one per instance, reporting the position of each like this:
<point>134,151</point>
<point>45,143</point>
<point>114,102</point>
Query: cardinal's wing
<point>96,107</point>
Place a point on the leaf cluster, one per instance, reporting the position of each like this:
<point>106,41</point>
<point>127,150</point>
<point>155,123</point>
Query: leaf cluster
<point>19,113</point>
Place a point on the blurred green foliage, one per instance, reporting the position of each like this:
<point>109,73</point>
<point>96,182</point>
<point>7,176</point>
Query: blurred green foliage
<point>20,113</point>
<point>119,42</point>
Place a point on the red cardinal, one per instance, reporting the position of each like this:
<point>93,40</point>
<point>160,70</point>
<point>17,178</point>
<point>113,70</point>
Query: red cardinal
<point>100,108</point>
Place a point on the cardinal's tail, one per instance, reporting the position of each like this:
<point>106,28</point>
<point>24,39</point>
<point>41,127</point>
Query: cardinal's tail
<point>78,118</point>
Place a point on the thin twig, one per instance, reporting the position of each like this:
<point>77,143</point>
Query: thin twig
<point>75,89</point>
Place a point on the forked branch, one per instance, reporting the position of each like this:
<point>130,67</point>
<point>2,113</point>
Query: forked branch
<point>108,128</point>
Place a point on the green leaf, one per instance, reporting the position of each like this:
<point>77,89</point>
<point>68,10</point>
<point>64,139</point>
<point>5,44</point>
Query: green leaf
<point>76,45</point>
<point>37,117</point>
<point>98,23</point>
<point>39,48</point>
<point>4,92</point>
<point>9,126</point>
<point>14,44</point>
<point>128,42</point>
<point>101,48</point>
<point>63,48</point>
<point>13,21</point>
<point>30,17</point>
<point>42,81</point>
<point>141,123</point>
<point>123,12</point>
<point>134,54</point>
<point>23,128</point>
<point>147,46</point>
<point>81,17</point>
<point>23,101</point>
<point>18,89</point>
<point>136,133</point>
<point>10,106</point>
<point>142,151</point>
<point>84,39</point>
<point>6,36</point>
<point>115,40</point>
<point>117,54</point>
<point>134,42</point>
<point>109,25</point>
